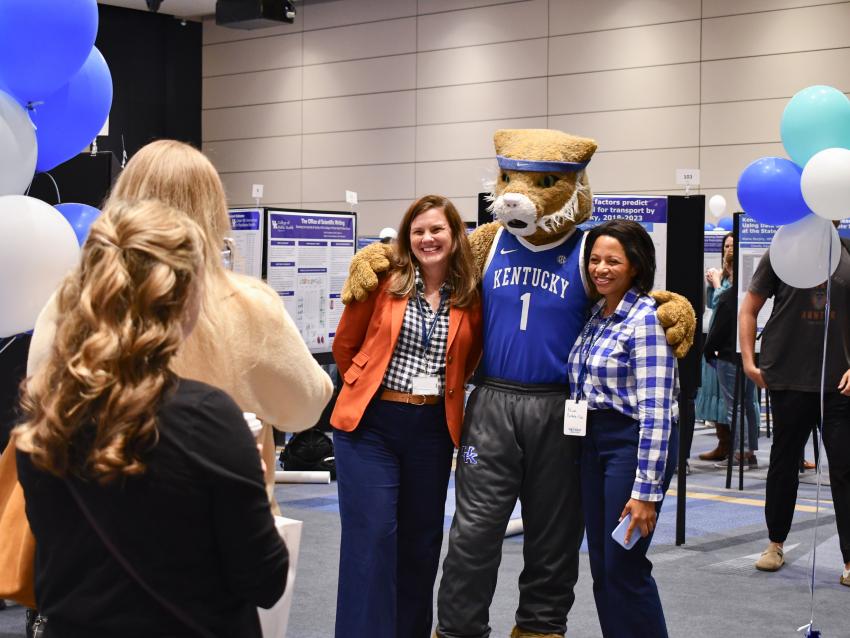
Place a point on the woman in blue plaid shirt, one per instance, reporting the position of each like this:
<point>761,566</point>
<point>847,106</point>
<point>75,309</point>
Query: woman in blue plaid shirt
<point>623,380</point>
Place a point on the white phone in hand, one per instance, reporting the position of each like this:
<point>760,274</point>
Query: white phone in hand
<point>619,533</point>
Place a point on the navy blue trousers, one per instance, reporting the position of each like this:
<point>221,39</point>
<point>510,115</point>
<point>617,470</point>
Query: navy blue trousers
<point>392,476</point>
<point>626,596</point>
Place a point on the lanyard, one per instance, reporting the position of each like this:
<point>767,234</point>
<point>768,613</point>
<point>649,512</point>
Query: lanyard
<point>584,353</point>
<point>427,331</point>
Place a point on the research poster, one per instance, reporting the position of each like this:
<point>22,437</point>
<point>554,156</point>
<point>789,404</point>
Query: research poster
<point>308,257</point>
<point>362,242</point>
<point>754,239</point>
<point>712,258</point>
<point>649,212</point>
<point>246,231</point>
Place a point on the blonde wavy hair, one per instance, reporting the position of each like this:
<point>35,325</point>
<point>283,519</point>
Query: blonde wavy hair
<point>462,275</point>
<point>90,411</point>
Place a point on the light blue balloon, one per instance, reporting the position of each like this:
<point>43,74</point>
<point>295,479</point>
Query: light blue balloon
<point>709,227</point>
<point>43,43</point>
<point>80,216</point>
<point>73,116</point>
<point>816,118</point>
<point>725,223</point>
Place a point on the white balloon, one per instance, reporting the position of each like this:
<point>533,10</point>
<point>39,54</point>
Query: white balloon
<point>717,205</point>
<point>37,248</point>
<point>826,183</point>
<point>800,251</point>
<point>18,147</point>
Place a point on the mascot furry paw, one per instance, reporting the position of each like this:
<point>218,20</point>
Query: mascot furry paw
<point>535,304</point>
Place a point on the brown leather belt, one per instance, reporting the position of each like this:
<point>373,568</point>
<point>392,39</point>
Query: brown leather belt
<point>412,399</point>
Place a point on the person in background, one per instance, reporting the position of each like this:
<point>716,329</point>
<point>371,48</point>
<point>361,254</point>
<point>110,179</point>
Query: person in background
<point>405,353</point>
<point>790,367</point>
<point>710,405</point>
<point>155,478</point>
<point>720,352</point>
<point>623,368</point>
<point>245,342</point>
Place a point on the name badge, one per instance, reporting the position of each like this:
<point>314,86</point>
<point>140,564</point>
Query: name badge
<point>425,385</point>
<point>575,417</point>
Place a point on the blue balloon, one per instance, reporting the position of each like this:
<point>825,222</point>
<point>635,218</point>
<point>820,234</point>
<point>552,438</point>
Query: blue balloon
<point>709,227</point>
<point>725,223</point>
<point>769,191</point>
<point>43,43</point>
<point>72,117</point>
<point>815,119</point>
<point>80,216</point>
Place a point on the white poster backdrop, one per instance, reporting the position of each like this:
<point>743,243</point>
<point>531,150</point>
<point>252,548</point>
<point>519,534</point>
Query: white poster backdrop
<point>649,211</point>
<point>246,230</point>
<point>754,239</point>
<point>308,257</point>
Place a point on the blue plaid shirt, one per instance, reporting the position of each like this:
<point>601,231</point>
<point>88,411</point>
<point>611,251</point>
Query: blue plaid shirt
<point>631,369</point>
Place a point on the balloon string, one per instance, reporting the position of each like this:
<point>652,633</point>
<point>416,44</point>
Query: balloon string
<point>7,344</point>
<point>820,427</point>
<point>56,186</point>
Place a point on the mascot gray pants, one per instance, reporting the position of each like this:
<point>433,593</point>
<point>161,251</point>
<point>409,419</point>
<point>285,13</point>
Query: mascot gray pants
<point>513,446</point>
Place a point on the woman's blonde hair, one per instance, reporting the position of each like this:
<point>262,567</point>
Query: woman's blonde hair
<point>90,410</point>
<point>462,274</point>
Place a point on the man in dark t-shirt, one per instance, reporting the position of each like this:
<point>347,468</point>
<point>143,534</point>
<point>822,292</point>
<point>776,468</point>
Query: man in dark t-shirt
<point>790,368</point>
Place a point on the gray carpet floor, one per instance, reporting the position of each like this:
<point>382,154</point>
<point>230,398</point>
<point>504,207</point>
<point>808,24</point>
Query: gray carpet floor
<point>709,587</point>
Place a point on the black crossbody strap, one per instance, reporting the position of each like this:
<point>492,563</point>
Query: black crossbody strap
<point>169,606</point>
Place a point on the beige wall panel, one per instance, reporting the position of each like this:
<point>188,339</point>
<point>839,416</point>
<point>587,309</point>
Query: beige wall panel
<point>468,140</point>
<point>673,85</point>
<point>370,182</point>
<point>486,63</point>
<point>713,8</point>
<point>577,16</point>
<point>380,146</point>
<point>395,73</point>
<point>774,75</point>
<point>437,6</point>
<point>721,166</point>
<point>732,204</point>
<point>360,41</point>
<point>462,178</point>
<point>626,171</point>
<point>262,87</point>
<point>824,27</point>
<point>269,154</point>
<point>669,127</point>
<point>498,23</point>
<point>471,102</point>
<point>754,122</point>
<point>266,120</point>
<point>381,110</point>
<point>279,52</point>
<point>279,186</point>
<point>372,215</point>
<point>335,13</point>
<point>625,48</point>
<point>213,34</point>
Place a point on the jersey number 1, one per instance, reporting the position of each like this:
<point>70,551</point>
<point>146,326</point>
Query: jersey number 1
<point>526,302</point>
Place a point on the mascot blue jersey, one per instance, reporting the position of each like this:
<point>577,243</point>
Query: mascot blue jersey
<point>535,306</point>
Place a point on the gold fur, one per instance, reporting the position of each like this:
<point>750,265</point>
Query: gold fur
<point>518,632</point>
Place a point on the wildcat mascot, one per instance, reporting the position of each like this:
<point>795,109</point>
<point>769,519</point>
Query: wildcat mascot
<point>535,303</point>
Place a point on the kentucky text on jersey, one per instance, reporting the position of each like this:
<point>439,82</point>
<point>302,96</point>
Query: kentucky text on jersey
<point>529,276</point>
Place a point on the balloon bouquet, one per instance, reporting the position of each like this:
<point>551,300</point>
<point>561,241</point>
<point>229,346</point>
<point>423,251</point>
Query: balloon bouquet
<point>803,196</point>
<point>55,96</point>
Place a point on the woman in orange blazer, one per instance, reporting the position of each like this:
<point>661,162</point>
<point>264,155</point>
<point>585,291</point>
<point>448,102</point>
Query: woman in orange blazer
<point>405,353</point>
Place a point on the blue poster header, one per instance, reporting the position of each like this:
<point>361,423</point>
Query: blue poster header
<point>644,210</point>
<point>310,226</point>
<point>755,234</point>
<point>245,220</point>
<point>714,242</point>
<point>362,242</point>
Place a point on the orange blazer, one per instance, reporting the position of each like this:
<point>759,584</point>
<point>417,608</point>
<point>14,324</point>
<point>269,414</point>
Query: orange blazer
<point>364,343</point>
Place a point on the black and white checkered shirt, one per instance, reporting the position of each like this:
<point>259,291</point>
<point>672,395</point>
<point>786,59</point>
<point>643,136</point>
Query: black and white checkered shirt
<point>409,359</point>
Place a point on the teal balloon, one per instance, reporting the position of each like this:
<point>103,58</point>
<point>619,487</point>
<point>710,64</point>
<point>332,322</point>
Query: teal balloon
<point>816,118</point>
<point>80,216</point>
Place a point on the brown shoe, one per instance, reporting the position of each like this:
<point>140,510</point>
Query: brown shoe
<point>719,453</point>
<point>771,559</point>
<point>518,632</point>
<point>845,578</point>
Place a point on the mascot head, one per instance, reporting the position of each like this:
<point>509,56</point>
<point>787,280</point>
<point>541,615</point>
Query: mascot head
<point>541,192</point>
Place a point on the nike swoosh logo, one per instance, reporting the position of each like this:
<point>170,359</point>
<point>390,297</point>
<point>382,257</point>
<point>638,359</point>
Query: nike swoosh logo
<point>506,252</point>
